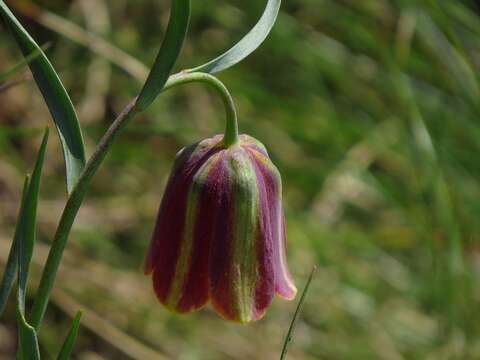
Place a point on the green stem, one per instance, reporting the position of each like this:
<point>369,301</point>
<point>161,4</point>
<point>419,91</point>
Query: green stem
<point>70,212</point>
<point>293,323</point>
<point>78,193</point>
<point>231,129</point>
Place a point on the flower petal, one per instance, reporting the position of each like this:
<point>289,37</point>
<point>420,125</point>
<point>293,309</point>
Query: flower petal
<point>167,238</point>
<point>272,214</point>
<point>233,264</point>
<point>189,289</point>
<point>253,144</point>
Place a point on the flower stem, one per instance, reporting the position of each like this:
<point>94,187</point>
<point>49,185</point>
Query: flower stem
<point>231,129</point>
<point>77,195</point>
<point>70,212</point>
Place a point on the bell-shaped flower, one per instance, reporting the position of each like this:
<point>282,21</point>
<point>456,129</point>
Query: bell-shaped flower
<point>220,233</point>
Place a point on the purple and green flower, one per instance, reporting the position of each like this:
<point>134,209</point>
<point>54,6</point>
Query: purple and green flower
<point>220,233</point>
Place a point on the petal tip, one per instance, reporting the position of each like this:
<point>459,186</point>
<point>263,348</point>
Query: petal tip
<point>287,293</point>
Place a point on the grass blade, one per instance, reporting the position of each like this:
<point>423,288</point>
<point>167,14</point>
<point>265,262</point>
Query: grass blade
<point>21,64</point>
<point>168,54</point>
<point>27,220</point>
<point>28,348</point>
<point>24,238</point>
<point>248,44</point>
<point>90,40</point>
<point>55,96</point>
<point>69,213</point>
<point>70,339</point>
<point>10,272</point>
<point>454,61</point>
<point>291,329</point>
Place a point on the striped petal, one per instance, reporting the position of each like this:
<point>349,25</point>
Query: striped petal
<point>189,289</point>
<point>169,230</point>
<point>220,234</point>
<point>272,216</point>
<point>241,278</point>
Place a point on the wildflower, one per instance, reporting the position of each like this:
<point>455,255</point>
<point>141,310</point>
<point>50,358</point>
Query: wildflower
<point>220,233</point>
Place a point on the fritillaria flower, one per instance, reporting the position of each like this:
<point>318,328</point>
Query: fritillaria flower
<point>220,233</point>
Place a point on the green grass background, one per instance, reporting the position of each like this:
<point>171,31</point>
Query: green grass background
<point>370,109</point>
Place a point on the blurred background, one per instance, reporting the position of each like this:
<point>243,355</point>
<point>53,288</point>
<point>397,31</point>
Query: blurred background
<point>369,108</point>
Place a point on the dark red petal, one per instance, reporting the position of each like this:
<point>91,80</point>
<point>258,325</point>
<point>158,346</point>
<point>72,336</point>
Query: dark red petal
<point>272,214</point>
<point>195,290</point>
<point>220,269</point>
<point>167,237</point>
<point>265,284</point>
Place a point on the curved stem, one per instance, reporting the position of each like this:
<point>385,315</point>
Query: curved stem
<point>231,128</point>
<point>78,193</point>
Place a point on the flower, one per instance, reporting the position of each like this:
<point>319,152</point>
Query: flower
<point>220,233</point>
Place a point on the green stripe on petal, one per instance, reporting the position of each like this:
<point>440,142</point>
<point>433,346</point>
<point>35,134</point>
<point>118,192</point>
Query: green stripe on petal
<point>186,248</point>
<point>246,200</point>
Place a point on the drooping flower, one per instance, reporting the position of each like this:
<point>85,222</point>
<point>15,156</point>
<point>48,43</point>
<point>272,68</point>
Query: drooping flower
<point>220,233</point>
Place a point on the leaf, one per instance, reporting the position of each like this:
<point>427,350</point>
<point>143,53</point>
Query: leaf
<point>289,336</point>
<point>24,232</point>
<point>55,96</point>
<point>454,61</point>
<point>168,54</point>
<point>93,41</point>
<point>10,273</point>
<point>248,44</point>
<point>70,339</point>
<point>27,220</point>
<point>28,348</point>
<point>28,341</point>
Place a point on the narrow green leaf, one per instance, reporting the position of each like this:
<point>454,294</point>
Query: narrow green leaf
<point>21,64</point>
<point>168,54</point>
<point>55,96</point>
<point>70,339</point>
<point>291,329</point>
<point>68,216</point>
<point>10,273</point>
<point>28,348</point>
<point>27,220</point>
<point>457,64</point>
<point>248,44</point>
